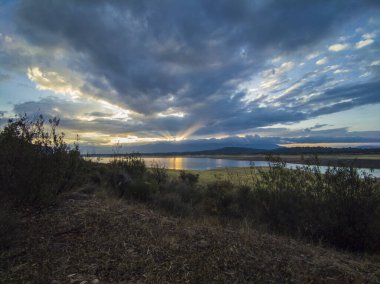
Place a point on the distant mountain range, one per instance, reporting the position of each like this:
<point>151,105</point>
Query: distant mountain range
<point>278,151</point>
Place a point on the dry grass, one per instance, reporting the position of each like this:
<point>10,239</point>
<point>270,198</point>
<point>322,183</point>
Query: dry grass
<point>237,176</point>
<point>86,238</point>
<point>363,161</point>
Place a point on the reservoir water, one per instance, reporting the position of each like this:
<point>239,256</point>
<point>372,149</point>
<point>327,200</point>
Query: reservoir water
<point>191,163</point>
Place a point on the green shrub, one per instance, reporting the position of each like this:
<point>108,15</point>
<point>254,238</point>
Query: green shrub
<point>158,173</point>
<point>188,178</point>
<point>189,194</point>
<point>339,207</point>
<point>35,163</point>
<point>173,203</point>
<point>219,196</point>
<point>244,200</point>
<point>133,164</point>
<point>140,190</point>
<point>119,181</point>
<point>352,203</point>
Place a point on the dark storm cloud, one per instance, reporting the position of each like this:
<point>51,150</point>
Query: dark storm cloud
<point>98,114</point>
<point>346,97</point>
<point>147,49</point>
<point>184,54</point>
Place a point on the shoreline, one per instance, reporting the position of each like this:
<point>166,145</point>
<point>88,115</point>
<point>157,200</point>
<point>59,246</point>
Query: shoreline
<point>294,159</point>
<point>359,163</point>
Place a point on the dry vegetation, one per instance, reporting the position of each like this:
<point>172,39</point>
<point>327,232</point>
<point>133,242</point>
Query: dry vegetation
<point>84,238</point>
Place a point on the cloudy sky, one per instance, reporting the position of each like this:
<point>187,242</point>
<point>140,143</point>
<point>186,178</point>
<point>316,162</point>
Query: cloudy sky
<point>183,75</point>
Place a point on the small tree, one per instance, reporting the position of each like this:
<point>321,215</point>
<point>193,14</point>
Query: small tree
<point>35,162</point>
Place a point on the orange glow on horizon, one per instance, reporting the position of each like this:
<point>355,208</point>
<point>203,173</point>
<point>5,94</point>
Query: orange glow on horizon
<point>333,145</point>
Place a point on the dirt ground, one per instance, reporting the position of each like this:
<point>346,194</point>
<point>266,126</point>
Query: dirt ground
<point>84,239</point>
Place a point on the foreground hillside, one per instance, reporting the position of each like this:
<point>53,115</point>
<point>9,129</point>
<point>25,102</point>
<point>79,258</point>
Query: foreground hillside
<point>85,238</point>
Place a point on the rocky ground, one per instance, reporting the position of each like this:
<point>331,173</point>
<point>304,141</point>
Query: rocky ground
<point>84,239</point>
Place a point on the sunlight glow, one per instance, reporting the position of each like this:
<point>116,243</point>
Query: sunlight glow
<point>335,145</point>
<point>189,131</point>
<point>134,139</point>
<point>52,81</point>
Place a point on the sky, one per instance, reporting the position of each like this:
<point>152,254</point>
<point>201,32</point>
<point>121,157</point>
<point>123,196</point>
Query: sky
<point>179,75</point>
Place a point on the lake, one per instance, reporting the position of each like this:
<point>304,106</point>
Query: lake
<point>191,163</point>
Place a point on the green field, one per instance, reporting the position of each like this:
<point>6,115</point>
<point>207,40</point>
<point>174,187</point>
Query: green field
<point>238,176</point>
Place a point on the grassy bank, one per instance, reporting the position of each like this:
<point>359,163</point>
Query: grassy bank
<point>360,160</point>
<point>237,176</point>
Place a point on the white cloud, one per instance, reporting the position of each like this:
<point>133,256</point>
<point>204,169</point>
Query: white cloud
<point>312,55</point>
<point>52,81</point>
<point>338,47</point>
<point>276,59</point>
<point>322,61</point>
<point>369,35</point>
<point>364,43</point>
<point>375,63</point>
<point>341,71</point>
<point>285,67</point>
<point>367,39</point>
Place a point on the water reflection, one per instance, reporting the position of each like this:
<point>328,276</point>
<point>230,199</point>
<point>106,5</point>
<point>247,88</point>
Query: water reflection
<point>188,163</point>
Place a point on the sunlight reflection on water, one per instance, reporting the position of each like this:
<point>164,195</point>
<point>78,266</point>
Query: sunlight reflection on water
<point>191,163</point>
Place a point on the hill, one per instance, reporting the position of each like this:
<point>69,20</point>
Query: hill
<point>277,151</point>
<point>90,239</point>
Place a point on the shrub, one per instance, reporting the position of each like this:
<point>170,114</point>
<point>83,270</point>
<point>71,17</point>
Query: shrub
<point>120,181</point>
<point>244,200</point>
<point>340,207</point>
<point>219,196</point>
<point>8,226</point>
<point>133,164</point>
<point>188,178</point>
<point>141,190</point>
<point>173,203</point>
<point>35,163</point>
<point>352,203</point>
<point>158,173</point>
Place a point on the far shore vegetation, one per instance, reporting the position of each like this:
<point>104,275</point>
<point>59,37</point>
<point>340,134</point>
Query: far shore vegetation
<point>340,208</point>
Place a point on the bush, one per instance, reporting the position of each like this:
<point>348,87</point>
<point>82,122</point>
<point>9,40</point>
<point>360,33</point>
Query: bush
<point>158,173</point>
<point>244,200</point>
<point>352,203</point>
<point>140,190</point>
<point>120,182</point>
<point>340,207</point>
<point>219,197</point>
<point>133,164</point>
<point>8,226</point>
<point>35,163</point>
<point>188,178</point>
<point>173,203</point>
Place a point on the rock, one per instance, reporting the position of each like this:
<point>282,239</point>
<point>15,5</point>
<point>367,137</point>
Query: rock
<point>95,281</point>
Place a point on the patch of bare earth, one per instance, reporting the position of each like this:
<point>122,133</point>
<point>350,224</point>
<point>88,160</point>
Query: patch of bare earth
<point>87,240</point>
